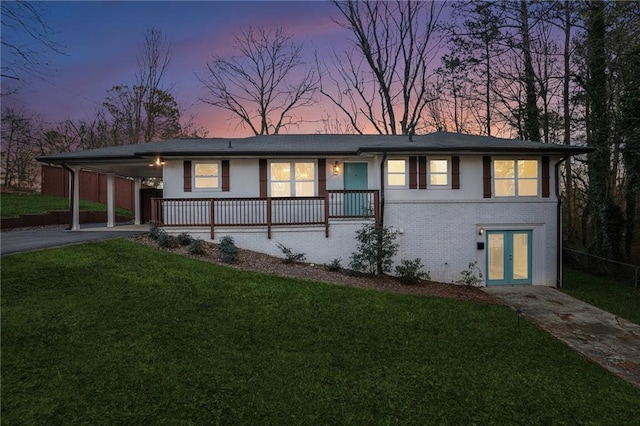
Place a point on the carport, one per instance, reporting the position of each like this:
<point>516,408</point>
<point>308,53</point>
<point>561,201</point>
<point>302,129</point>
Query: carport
<point>112,161</point>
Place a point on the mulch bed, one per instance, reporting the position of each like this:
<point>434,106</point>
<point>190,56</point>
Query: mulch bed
<point>259,262</point>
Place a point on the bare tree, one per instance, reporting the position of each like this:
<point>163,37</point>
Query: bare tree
<point>476,42</point>
<point>19,149</point>
<point>384,77</point>
<point>26,40</point>
<point>147,110</point>
<point>265,84</point>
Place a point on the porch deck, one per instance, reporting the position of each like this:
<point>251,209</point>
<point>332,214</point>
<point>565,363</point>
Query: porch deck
<point>266,211</point>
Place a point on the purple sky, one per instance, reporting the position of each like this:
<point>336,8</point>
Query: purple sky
<point>102,39</point>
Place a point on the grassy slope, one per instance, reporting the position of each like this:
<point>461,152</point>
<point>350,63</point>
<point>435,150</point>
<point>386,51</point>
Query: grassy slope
<point>604,293</point>
<point>114,332</point>
<point>13,205</point>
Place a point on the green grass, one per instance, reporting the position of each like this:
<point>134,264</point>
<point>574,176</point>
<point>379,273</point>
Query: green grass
<point>118,333</point>
<point>13,205</point>
<point>605,293</point>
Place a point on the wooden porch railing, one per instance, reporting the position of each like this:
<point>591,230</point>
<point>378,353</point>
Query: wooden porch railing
<point>269,211</point>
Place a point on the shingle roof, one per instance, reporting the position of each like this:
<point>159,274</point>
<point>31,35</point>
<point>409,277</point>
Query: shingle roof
<point>314,144</point>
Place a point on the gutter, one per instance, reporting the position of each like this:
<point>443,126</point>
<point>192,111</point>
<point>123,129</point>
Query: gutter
<point>559,223</point>
<point>71,192</point>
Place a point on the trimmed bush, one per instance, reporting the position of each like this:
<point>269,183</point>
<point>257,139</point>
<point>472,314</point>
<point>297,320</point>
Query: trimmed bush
<point>154,230</point>
<point>335,265</point>
<point>376,247</point>
<point>410,271</point>
<point>167,241</point>
<point>228,249</point>
<point>472,276</point>
<point>196,247</point>
<point>184,239</point>
<point>290,256</point>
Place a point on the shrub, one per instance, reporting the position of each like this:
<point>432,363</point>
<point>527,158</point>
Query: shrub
<point>196,247</point>
<point>184,239</point>
<point>154,231</point>
<point>167,241</point>
<point>228,250</point>
<point>335,265</point>
<point>290,256</point>
<point>376,247</point>
<point>469,277</point>
<point>410,271</point>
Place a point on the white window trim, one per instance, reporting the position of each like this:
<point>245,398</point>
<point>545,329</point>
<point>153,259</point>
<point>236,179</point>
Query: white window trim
<point>195,188</point>
<point>429,184</point>
<point>516,178</point>
<point>292,178</point>
<point>406,174</point>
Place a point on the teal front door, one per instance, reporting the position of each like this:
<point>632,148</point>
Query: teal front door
<point>509,257</point>
<point>355,178</point>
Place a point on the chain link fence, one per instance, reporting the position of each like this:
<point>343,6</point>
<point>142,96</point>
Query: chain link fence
<point>625,273</point>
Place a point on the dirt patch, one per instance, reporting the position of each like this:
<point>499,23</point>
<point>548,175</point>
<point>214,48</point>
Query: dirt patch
<point>260,262</point>
<point>565,316</point>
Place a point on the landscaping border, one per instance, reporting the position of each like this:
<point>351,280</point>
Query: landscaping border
<point>57,217</point>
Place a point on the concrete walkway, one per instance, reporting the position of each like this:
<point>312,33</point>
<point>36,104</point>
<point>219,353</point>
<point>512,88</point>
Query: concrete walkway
<point>609,340</point>
<point>29,239</point>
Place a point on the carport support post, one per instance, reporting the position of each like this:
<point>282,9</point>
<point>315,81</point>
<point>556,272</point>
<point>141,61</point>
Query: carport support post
<point>137,183</point>
<point>75,211</point>
<point>111,208</point>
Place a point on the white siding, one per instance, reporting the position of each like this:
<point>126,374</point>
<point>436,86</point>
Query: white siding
<point>244,180</point>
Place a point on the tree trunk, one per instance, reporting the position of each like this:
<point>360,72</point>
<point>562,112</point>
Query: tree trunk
<point>571,208</point>
<point>599,161</point>
<point>532,124</point>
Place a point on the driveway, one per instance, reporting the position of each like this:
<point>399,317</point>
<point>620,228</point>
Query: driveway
<point>29,239</point>
<point>611,341</point>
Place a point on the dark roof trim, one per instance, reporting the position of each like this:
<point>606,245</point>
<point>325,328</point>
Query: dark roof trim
<point>498,150</point>
<point>235,153</point>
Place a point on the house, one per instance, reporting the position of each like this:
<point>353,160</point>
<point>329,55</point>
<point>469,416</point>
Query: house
<point>452,199</point>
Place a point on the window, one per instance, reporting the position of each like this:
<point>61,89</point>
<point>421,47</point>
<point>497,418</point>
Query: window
<point>438,172</point>
<point>515,178</point>
<point>207,175</point>
<point>293,179</point>
<point>396,172</point>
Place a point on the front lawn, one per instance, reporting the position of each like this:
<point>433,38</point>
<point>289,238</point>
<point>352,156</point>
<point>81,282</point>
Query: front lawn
<point>13,205</point>
<point>605,293</point>
<point>119,333</point>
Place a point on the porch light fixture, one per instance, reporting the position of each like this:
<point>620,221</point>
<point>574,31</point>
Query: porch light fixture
<point>158,162</point>
<point>481,231</point>
<point>336,168</point>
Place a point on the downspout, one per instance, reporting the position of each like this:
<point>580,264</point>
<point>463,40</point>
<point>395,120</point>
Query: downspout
<point>384,158</point>
<point>559,223</point>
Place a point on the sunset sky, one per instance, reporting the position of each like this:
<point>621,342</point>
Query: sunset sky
<point>101,40</point>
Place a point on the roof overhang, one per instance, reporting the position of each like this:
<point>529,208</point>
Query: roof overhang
<point>135,160</point>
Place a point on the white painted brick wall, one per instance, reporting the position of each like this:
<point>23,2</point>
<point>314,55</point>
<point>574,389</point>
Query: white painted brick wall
<point>444,235</point>
<point>310,240</point>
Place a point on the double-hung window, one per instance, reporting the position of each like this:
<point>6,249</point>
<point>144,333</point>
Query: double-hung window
<point>293,179</point>
<point>397,173</point>
<point>439,172</point>
<point>515,178</point>
<point>207,175</point>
